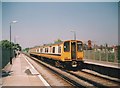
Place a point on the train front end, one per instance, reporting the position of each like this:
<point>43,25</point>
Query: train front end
<point>73,53</point>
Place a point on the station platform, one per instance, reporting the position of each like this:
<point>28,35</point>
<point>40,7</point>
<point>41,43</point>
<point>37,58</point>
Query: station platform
<point>22,73</point>
<point>102,63</point>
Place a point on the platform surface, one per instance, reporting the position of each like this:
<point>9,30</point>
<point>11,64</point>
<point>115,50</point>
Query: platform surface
<point>21,74</point>
<point>103,63</point>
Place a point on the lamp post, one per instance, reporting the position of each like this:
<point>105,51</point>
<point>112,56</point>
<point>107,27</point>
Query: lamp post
<point>12,22</point>
<point>74,34</point>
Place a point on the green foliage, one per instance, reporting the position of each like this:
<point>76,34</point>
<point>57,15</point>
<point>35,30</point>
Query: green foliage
<point>57,41</point>
<point>17,47</point>
<point>6,44</point>
<point>7,50</point>
<point>26,50</point>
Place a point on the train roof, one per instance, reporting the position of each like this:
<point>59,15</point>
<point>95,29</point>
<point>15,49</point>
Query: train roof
<point>57,43</point>
<point>53,43</point>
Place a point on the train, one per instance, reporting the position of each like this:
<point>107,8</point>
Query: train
<point>65,54</point>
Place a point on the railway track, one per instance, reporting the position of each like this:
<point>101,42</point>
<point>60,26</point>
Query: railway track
<point>80,78</point>
<point>95,80</point>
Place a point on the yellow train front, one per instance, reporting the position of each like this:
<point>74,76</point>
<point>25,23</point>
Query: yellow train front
<point>65,54</point>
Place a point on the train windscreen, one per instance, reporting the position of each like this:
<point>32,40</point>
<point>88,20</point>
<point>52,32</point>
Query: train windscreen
<point>79,46</point>
<point>66,46</point>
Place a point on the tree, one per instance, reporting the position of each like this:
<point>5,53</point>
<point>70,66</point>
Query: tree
<point>6,44</point>
<point>26,49</point>
<point>57,41</point>
<point>17,47</point>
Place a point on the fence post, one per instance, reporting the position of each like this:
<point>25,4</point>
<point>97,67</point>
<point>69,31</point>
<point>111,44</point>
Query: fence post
<point>94,54</point>
<point>88,54</point>
<point>100,55</point>
<point>106,55</point>
<point>115,56</point>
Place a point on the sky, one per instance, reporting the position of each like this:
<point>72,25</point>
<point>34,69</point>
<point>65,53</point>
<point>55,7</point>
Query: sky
<point>44,22</point>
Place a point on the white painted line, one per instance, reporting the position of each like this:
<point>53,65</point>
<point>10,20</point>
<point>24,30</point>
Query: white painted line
<point>41,78</point>
<point>29,63</point>
<point>33,70</point>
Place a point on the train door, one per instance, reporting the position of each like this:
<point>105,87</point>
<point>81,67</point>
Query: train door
<point>73,50</point>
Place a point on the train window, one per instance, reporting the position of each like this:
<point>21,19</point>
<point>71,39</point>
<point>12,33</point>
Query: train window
<point>79,46</point>
<point>47,50</point>
<point>66,46</point>
<point>59,49</point>
<point>41,50</point>
<point>53,49</point>
<point>37,50</point>
<point>50,49</point>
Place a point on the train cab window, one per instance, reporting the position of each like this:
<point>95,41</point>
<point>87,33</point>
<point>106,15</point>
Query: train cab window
<point>66,46</point>
<point>59,49</point>
<point>79,46</point>
<point>53,49</point>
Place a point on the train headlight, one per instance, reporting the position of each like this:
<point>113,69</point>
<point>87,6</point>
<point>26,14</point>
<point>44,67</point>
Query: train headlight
<point>74,64</point>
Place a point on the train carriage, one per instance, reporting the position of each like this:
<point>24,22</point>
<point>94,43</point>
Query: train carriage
<point>65,54</point>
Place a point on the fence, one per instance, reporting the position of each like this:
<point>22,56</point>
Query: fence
<point>0,65</point>
<point>0,58</point>
<point>5,56</point>
<point>102,55</point>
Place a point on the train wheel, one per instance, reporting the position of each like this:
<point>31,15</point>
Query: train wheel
<point>57,64</point>
<point>42,58</point>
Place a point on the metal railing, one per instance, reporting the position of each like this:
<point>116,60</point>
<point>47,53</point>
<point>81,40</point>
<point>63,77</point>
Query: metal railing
<point>106,55</point>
